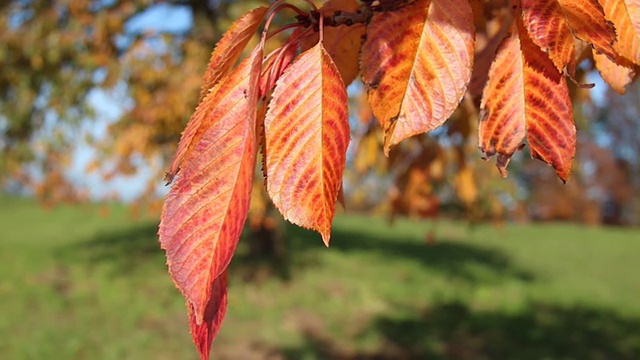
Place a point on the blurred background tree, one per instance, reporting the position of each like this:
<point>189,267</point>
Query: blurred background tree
<point>97,92</point>
<point>67,63</point>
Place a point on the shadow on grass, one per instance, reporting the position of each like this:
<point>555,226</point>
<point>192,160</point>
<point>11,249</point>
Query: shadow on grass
<point>125,249</point>
<point>131,247</point>
<point>453,331</point>
<point>135,246</point>
<point>459,260</point>
<point>128,249</point>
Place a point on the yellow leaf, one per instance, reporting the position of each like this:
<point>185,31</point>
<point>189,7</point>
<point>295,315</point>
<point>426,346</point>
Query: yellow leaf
<point>466,186</point>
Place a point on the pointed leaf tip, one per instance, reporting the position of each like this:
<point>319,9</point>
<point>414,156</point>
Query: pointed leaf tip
<point>326,238</point>
<point>204,330</point>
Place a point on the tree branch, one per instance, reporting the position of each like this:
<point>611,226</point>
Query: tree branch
<point>337,19</point>
<point>362,16</point>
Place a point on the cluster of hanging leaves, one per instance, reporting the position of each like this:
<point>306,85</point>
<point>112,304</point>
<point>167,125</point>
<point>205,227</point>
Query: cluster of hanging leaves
<point>416,59</point>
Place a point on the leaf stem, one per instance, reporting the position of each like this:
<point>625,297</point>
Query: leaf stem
<point>276,66</point>
<point>284,28</point>
<point>291,7</point>
<point>321,30</point>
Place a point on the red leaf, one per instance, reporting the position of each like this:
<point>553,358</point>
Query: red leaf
<point>306,138</point>
<point>276,63</point>
<point>205,211</point>
<point>204,333</point>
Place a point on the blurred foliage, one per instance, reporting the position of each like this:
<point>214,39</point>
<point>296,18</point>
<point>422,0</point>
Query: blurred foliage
<point>57,55</point>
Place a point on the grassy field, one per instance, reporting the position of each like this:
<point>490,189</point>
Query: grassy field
<point>77,285</point>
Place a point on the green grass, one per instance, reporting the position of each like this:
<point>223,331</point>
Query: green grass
<point>76,285</point>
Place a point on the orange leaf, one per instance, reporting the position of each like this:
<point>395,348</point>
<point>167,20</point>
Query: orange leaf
<point>230,47</point>
<point>633,8</point>
<point>223,58</point>
<point>484,58</point>
<point>416,63</point>
<point>306,137</point>
<point>205,211</point>
<point>615,75</point>
<point>587,22</point>
<point>342,42</point>
<point>625,15</point>
<point>526,94</point>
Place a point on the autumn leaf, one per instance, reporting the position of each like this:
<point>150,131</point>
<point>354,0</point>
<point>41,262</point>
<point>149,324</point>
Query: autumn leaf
<point>553,24</point>
<point>230,47</point>
<point>215,310</point>
<point>625,15</point>
<point>205,210</point>
<point>549,29</point>
<point>526,94</point>
<point>484,58</point>
<point>416,63</point>
<point>616,75</point>
<point>276,64</point>
<point>306,137</point>
<point>342,42</point>
<point>588,23</point>
<point>223,58</point>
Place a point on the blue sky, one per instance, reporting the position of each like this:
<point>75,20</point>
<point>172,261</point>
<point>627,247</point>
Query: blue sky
<point>109,106</point>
